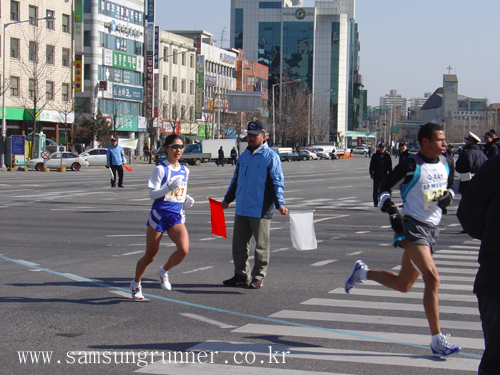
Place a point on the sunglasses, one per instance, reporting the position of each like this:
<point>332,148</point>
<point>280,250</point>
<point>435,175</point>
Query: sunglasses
<point>176,146</point>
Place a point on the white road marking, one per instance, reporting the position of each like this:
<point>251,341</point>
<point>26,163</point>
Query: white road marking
<point>354,253</point>
<point>410,295</point>
<point>127,295</point>
<point>198,269</point>
<point>324,262</point>
<point>207,320</point>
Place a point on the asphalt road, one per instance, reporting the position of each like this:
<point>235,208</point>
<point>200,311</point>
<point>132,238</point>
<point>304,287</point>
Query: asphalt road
<point>69,244</point>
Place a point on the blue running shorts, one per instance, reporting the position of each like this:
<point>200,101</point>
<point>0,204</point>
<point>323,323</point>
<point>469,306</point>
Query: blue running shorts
<point>162,220</point>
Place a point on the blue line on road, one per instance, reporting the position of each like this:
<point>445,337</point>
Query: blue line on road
<point>272,320</point>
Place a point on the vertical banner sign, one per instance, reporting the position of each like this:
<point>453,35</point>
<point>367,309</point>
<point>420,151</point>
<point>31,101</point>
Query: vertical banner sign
<point>149,86</point>
<point>150,37</point>
<point>79,73</point>
<point>155,96</point>
<point>78,26</point>
<point>156,45</point>
<point>151,11</point>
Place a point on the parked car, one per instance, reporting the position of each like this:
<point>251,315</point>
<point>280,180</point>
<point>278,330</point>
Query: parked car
<point>312,154</point>
<point>69,160</point>
<point>95,156</point>
<point>360,150</point>
<point>304,155</point>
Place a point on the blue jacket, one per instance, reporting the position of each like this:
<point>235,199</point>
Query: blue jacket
<point>115,155</point>
<point>257,183</point>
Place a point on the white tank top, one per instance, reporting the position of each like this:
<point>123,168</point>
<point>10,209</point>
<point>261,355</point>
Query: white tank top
<point>421,194</point>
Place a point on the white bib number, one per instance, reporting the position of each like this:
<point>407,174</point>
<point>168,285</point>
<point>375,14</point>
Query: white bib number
<point>178,195</point>
<point>431,197</point>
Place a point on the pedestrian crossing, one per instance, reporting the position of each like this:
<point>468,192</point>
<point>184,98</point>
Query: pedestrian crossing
<point>391,330</point>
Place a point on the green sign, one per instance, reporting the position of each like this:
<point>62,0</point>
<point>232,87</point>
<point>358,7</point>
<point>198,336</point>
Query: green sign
<point>379,130</point>
<point>395,129</point>
<point>124,61</point>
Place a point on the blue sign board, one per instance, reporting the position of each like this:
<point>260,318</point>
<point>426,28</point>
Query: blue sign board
<point>18,145</point>
<point>127,93</point>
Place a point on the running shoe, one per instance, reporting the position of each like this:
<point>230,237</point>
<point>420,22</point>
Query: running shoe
<point>354,278</point>
<point>164,283</point>
<point>256,284</point>
<point>136,290</point>
<point>236,280</point>
<point>443,348</point>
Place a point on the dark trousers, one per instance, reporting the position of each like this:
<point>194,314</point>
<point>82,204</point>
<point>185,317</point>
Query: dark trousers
<point>489,309</point>
<point>377,180</point>
<point>462,186</point>
<point>119,169</point>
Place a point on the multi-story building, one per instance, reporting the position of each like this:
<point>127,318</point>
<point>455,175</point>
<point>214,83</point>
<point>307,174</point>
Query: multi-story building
<point>318,45</point>
<point>393,100</point>
<point>215,78</point>
<point>37,75</point>
<point>175,84</point>
<point>111,49</point>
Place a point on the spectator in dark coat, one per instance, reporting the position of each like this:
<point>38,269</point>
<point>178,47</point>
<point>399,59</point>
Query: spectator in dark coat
<point>478,214</point>
<point>380,166</point>
<point>469,161</point>
<point>490,148</point>
<point>404,153</point>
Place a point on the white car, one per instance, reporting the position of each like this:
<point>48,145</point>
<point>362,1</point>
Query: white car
<point>95,156</point>
<point>69,160</point>
<point>360,150</point>
<point>313,155</point>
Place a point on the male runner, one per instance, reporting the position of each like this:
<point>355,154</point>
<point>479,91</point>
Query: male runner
<point>425,181</point>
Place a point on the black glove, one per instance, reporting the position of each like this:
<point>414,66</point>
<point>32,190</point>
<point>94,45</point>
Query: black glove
<point>446,199</point>
<point>397,221</point>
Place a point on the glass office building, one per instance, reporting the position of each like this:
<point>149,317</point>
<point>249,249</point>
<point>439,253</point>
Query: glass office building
<point>318,45</point>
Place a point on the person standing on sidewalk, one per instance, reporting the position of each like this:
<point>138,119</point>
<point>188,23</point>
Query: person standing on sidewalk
<point>167,186</point>
<point>257,185</point>
<point>234,155</point>
<point>115,159</point>
<point>478,214</point>
<point>426,181</point>
<point>469,161</point>
<point>380,166</point>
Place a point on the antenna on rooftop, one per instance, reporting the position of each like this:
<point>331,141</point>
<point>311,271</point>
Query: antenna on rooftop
<point>222,37</point>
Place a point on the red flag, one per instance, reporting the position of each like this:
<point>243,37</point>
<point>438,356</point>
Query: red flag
<point>127,168</point>
<point>217,218</point>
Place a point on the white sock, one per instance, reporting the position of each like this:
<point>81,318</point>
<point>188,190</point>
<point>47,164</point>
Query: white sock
<point>435,338</point>
<point>362,274</point>
<point>162,270</point>
<point>135,284</point>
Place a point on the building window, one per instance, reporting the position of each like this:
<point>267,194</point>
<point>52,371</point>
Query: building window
<point>183,59</point>
<point>65,92</point>
<point>33,51</point>
<point>86,38</point>
<point>14,48</point>
<point>191,113</point>
<point>191,61</point>
<point>50,23</point>
<point>174,84</point>
<point>183,86</point>
<point>49,54</point>
<point>33,15</point>
<point>174,57</point>
<point>14,11</point>
<point>31,88</point>
<point>14,86</point>
<point>174,112</point>
<point>65,57</point>
<point>165,53</point>
<point>165,111</point>
<point>191,87</point>
<point>49,88</point>
<point>183,112</point>
<point>65,23</point>
<point>165,83</point>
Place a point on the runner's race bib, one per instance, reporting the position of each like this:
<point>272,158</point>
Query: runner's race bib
<point>431,194</point>
<point>178,195</point>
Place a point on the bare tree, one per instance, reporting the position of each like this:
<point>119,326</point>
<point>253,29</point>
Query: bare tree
<point>91,129</point>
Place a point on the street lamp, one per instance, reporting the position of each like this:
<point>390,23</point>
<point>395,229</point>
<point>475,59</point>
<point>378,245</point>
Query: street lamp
<point>4,123</point>
<point>274,122</point>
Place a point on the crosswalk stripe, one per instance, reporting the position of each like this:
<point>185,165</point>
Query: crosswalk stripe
<point>448,270</point>
<point>422,285</point>
<point>410,295</point>
<point>465,247</point>
<point>373,319</point>
<point>388,306</point>
<point>451,252</point>
<point>341,355</point>
<point>216,369</point>
<point>465,279</point>
<point>460,264</point>
<point>279,330</point>
<point>454,256</point>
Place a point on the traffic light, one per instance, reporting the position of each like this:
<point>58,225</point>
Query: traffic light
<point>79,73</point>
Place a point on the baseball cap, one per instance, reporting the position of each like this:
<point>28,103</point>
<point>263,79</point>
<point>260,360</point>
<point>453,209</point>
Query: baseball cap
<point>256,127</point>
<point>472,137</point>
<point>381,144</point>
<point>488,135</point>
<point>492,131</point>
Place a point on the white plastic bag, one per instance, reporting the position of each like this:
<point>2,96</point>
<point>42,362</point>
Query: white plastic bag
<point>302,230</point>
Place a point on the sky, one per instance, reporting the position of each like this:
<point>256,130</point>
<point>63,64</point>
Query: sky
<point>406,45</point>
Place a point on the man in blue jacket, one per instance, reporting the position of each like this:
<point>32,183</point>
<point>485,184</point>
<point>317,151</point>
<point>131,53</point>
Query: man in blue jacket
<point>115,158</point>
<point>257,186</point>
